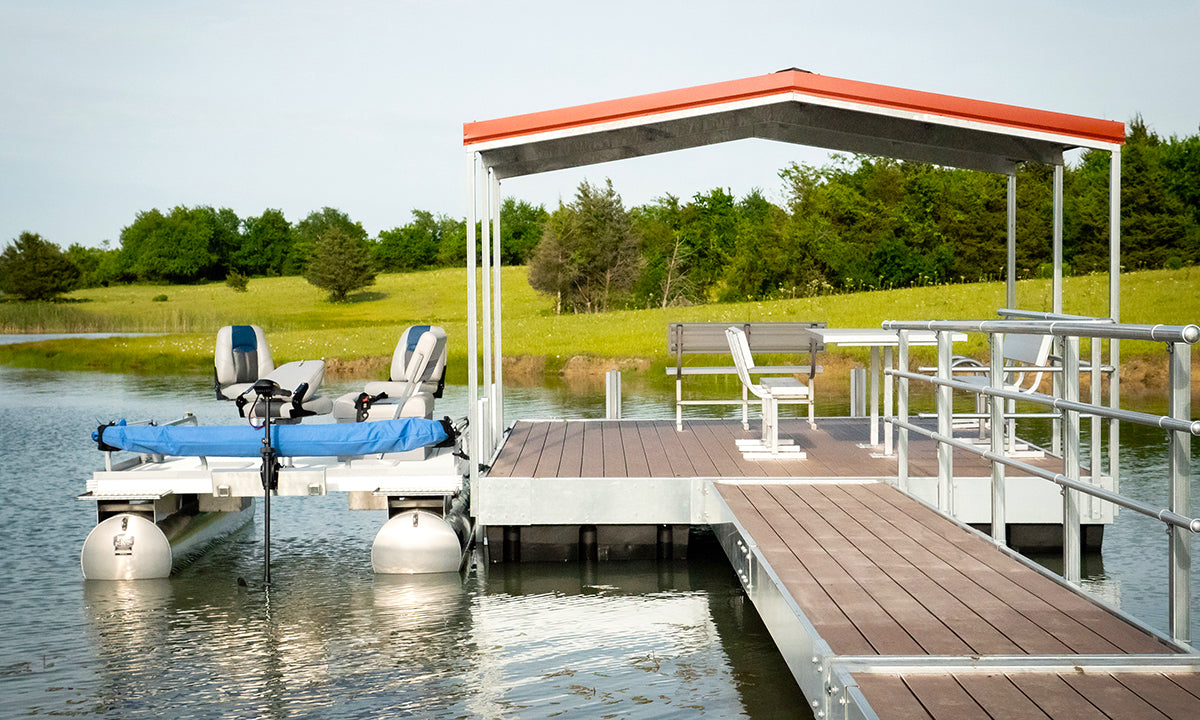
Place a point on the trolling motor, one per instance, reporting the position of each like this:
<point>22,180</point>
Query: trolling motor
<point>264,390</point>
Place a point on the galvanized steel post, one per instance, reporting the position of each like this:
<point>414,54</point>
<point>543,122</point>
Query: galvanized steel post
<point>1072,547</point>
<point>1058,237</point>
<point>1114,312</point>
<point>945,407</point>
<point>1010,275</point>
<point>485,297</point>
<point>473,444</point>
<point>1180,450</point>
<point>999,520</point>
<point>902,411</point>
<point>497,324</point>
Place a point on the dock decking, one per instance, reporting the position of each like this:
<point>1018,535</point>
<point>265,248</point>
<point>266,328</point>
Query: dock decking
<point>882,606</point>
<point>705,448</point>
<point>932,621</point>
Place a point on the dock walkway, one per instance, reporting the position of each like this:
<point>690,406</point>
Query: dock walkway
<point>930,620</point>
<point>882,607</point>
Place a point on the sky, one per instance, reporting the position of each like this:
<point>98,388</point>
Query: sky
<point>110,109</point>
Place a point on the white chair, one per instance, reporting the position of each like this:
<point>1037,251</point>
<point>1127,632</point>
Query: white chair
<point>770,390</point>
<point>1026,360</point>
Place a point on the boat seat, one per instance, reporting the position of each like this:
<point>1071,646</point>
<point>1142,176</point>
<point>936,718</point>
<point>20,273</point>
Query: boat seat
<point>418,364</point>
<point>243,357</point>
<point>416,378</point>
<point>302,379</point>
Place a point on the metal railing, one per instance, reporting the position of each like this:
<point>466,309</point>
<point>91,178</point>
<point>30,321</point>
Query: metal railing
<point>1066,402</point>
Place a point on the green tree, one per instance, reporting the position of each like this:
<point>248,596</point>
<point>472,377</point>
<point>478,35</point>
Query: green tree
<point>182,247</point>
<point>520,230</point>
<point>1155,225</point>
<point>311,229</point>
<point>587,257</point>
<point>266,244</point>
<point>33,268</point>
<point>95,263</point>
<point>666,274</point>
<point>340,263</point>
<point>411,247</point>
<point>709,228</point>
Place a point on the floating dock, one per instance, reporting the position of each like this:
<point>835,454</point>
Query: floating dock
<point>882,606</point>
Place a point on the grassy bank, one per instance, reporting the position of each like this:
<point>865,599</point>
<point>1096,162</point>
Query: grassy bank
<point>300,323</point>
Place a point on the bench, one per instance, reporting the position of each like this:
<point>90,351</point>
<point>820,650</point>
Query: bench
<point>708,338</point>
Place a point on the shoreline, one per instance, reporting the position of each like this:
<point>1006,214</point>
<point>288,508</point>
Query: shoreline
<point>1142,376</point>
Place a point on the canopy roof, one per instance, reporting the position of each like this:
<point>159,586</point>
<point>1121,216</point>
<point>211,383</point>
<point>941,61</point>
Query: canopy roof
<point>790,106</point>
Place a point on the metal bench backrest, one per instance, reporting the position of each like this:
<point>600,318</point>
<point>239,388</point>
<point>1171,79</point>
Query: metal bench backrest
<point>761,337</point>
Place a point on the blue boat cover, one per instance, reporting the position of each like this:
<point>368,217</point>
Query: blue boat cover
<point>365,438</point>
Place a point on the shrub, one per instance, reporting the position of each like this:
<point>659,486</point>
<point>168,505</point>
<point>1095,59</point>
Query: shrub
<point>159,298</point>
<point>237,281</point>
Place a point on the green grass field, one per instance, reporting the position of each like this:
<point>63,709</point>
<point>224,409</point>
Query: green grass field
<point>300,323</point>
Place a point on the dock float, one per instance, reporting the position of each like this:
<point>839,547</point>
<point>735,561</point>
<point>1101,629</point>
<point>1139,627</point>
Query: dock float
<point>882,606</point>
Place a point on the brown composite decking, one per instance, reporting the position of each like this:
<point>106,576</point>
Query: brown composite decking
<point>880,574</point>
<point>705,448</point>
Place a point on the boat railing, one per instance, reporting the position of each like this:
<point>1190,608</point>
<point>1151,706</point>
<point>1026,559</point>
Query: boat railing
<point>1065,402</point>
<point>187,419</point>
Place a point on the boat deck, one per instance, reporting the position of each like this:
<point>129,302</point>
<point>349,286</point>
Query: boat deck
<point>881,606</point>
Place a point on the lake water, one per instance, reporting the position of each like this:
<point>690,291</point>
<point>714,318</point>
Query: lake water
<point>331,639</point>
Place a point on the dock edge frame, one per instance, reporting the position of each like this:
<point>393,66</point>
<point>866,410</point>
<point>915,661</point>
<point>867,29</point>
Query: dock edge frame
<point>827,684</point>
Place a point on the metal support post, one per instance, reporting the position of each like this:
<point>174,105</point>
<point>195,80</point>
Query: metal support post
<point>1056,389</point>
<point>1010,276</point>
<point>1180,450</point>
<point>1095,426</point>
<point>612,395</point>
<point>999,520</point>
<point>889,384</point>
<point>1072,547</point>
<point>945,402</point>
<point>485,299</point>
<point>902,411</point>
<point>1058,238</point>
<point>473,426</point>
<point>874,434</point>
<point>497,305</point>
<point>1114,312</point>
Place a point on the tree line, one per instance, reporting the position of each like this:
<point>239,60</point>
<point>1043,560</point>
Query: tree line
<point>857,223</point>
<point>864,223</point>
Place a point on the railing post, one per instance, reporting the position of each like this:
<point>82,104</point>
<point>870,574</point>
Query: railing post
<point>1056,389</point>
<point>945,409</point>
<point>1070,442</point>
<point>902,411</point>
<point>999,520</point>
<point>1095,425</point>
<point>1180,449</point>
<point>888,403</point>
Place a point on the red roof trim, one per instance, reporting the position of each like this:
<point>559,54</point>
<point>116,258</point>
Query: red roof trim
<point>787,82</point>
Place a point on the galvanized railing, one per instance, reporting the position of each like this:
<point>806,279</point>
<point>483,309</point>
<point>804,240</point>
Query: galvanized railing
<point>1064,400</point>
